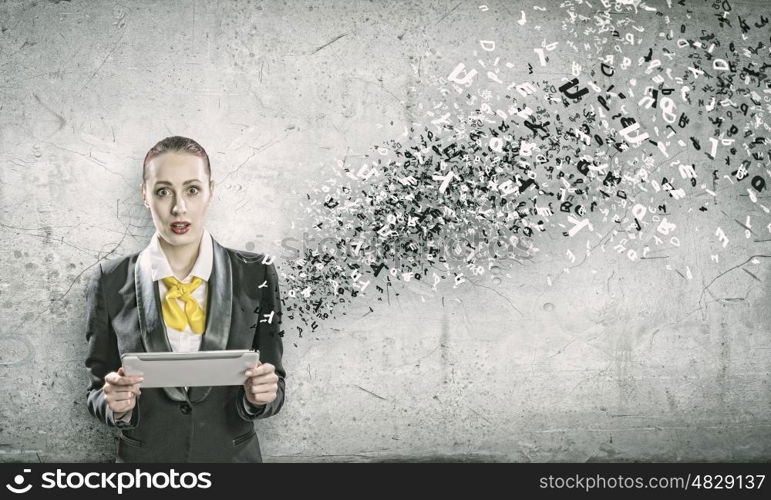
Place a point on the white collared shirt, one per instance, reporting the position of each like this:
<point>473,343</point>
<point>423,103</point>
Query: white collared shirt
<point>182,340</point>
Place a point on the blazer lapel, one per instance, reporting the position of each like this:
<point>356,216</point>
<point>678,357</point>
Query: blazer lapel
<point>219,302</point>
<point>219,306</point>
<point>151,326</point>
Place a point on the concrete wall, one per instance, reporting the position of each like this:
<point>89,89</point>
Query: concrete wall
<point>608,359</point>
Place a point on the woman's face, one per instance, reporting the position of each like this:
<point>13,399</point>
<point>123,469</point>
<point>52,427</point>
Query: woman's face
<point>177,191</point>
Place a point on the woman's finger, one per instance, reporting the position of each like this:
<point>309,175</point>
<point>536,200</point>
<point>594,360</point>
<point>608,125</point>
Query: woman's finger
<point>262,389</point>
<point>113,378</point>
<point>111,389</point>
<point>262,369</point>
<point>270,378</point>
<point>121,396</point>
<point>263,398</point>
<point>252,370</point>
<point>125,405</point>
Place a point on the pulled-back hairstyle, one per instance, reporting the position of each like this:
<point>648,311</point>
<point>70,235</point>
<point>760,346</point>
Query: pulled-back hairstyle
<point>176,144</point>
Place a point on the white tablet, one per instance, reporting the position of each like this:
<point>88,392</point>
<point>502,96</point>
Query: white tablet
<point>190,369</point>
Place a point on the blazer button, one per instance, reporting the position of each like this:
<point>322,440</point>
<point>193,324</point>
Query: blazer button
<point>185,408</point>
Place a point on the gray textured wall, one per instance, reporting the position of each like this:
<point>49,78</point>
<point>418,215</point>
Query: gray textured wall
<point>608,359</point>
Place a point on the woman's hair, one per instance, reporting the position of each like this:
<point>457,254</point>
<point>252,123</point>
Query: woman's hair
<point>176,144</point>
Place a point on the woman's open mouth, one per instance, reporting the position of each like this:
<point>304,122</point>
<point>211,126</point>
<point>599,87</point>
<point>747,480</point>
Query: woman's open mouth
<point>180,227</point>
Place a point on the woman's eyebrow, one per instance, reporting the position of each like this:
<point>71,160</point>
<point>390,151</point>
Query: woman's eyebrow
<point>184,183</point>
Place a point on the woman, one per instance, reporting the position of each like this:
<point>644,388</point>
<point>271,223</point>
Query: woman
<point>183,292</point>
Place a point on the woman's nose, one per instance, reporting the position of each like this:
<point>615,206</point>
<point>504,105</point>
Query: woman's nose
<point>178,207</point>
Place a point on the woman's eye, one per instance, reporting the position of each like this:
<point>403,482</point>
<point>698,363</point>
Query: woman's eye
<point>162,192</point>
<point>194,190</point>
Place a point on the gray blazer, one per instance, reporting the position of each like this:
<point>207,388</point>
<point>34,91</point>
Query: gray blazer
<point>170,424</point>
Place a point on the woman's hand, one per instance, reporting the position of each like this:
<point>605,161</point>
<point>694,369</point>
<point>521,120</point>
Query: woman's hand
<point>261,384</point>
<point>120,390</point>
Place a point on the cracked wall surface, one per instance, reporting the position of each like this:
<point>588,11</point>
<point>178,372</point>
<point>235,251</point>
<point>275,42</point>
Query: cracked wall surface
<point>594,357</point>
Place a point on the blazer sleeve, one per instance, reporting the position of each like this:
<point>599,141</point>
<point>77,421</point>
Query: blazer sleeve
<point>103,356</point>
<point>267,339</point>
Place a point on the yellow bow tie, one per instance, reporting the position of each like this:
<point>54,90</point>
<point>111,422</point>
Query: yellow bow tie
<point>193,313</point>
